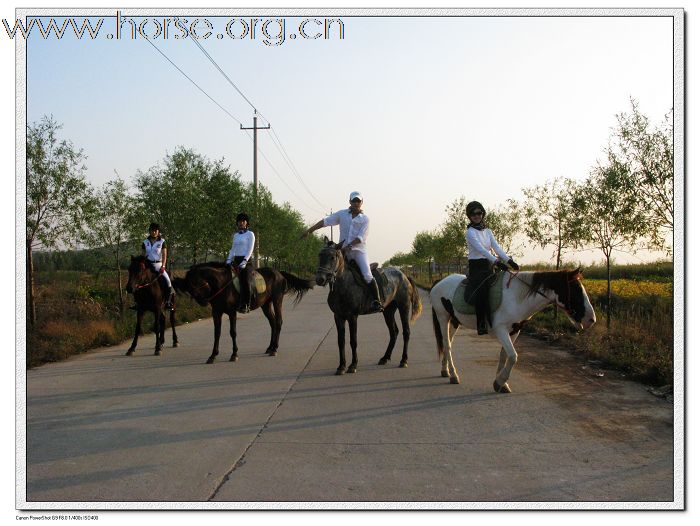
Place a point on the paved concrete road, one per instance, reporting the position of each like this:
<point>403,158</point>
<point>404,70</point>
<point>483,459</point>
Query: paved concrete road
<point>105,427</point>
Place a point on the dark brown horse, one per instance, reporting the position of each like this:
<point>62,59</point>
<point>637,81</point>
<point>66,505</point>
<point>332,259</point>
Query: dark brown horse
<point>212,283</point>
<point>348,300</point>
<point>144,282</point>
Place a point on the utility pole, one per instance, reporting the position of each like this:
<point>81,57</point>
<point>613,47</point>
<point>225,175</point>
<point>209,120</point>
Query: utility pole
<point>255,129</point>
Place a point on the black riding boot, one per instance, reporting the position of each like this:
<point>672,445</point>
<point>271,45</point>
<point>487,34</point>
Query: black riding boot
<point>376,305</point>
<point>244,298</point>
<point>169,294</point>
<point>482,311</point>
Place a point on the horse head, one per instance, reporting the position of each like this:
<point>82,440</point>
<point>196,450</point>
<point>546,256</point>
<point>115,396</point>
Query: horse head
<point>330,263</point>
<point>200,282</point>
<point>572,297</point>
<point>139,273</point>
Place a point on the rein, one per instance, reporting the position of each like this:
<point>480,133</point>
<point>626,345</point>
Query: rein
<point>537,291</point>
<point>139,287</point>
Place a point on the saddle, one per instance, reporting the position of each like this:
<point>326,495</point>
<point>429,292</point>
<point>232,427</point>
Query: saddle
<point>260,284</point>
<point>377,274</point>
<point>495,284</point>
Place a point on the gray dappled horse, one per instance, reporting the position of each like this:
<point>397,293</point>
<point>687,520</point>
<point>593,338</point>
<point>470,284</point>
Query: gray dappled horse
<point>349,299</point>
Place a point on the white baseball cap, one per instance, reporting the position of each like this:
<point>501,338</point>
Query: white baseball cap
<point>356,195</point>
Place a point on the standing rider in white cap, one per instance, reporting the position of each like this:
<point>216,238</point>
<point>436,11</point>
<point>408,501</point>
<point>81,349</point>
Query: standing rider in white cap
<point>354,229</point>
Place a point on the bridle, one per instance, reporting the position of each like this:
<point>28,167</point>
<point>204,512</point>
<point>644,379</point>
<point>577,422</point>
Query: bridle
<point>332,271</point>
<point>565,307</point>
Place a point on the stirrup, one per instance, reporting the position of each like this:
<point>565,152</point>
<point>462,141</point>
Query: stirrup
<point>376,306</point>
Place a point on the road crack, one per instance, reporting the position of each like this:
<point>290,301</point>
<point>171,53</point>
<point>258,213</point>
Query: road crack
<point>241,460</point>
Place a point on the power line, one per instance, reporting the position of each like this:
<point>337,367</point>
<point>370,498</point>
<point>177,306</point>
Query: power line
<point>274,170</point>
<point>196,41</point>
<point>192,81</point>
<point>283,152</point>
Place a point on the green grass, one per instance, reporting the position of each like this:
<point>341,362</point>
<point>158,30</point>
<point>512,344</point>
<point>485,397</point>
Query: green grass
<point>77,311</point>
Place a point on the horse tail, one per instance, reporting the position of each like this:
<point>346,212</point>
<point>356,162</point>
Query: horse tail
<point>295,284</point>
<point>416,305</point>
<point>438,334</point>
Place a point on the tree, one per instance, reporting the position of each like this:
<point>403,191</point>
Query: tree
<point>57,194</point>
<point>549,217</point>
<point>647,153</point>
<point>193,200</point>
<point>109,224</point>
<point>505,222</point>
<point>608,210</point>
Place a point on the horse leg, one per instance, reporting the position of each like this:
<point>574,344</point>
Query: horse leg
<point>389,313</point>
<point>267,311</point>
<point>508,358</point>
<point>139,319</point>
<point>162,328</point>
<point>406,335</point>
<point>448,365</point>
<point>232,331</point>
<point>340,329</point>
<point>172,325</point>
<point>217,334</point>
<point>278,323</point>
<point>158,318</point>
<point>352,325</point>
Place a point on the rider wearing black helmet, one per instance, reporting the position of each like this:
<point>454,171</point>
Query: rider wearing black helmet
<point>481,244</point>
<point>239,259</point>
<point>155,251</point>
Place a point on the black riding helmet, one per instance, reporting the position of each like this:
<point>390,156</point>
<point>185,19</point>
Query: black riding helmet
<point>153,226</point>
<point>243,217</point>
<point>473,206</point>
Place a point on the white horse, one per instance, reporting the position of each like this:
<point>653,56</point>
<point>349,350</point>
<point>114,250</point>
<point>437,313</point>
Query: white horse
<point>524,294</point>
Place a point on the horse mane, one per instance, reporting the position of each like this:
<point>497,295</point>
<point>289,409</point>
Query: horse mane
<point>554,280</point>
<point>212,264</point>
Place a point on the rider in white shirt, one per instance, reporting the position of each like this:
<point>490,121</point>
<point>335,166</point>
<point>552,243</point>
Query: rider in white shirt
<point>155,251</point>
<point>354,230</point>
<point>481,245</point>
<point>239,258</point>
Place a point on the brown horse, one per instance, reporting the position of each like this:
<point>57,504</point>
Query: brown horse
<point>144,282</point>
<point>212,283</point>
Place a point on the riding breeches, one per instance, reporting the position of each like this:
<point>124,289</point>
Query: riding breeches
<point>164,275</point>
<point>363,264</point>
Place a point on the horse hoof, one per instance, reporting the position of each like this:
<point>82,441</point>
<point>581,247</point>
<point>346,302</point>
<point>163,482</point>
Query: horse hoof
<point>383,361</point>
<point>175,344</point>
<point>339,371</point>
<point>403,365</point>
<point>210,360</point>
<point>233,358</point>
<point>444,374</point>
<point>454,380</point>
<point>501,388</point>
<point>352,369</point>
<point>130,352</point>
<point>272,353</point>
<point>157,353</point>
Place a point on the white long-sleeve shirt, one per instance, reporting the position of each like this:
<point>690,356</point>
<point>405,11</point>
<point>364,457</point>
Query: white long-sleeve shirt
<point>359,229</point>
<point>481,244</point>
<point>343,218</point>
<point>242,245</point>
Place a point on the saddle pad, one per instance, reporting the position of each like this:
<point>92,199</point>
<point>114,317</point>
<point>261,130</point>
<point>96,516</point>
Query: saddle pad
<point>260,285</point>
<point>377,274</point>
<point>495,296</point>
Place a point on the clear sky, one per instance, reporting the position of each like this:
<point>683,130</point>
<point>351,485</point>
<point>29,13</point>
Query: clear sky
<point>412,111</point>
